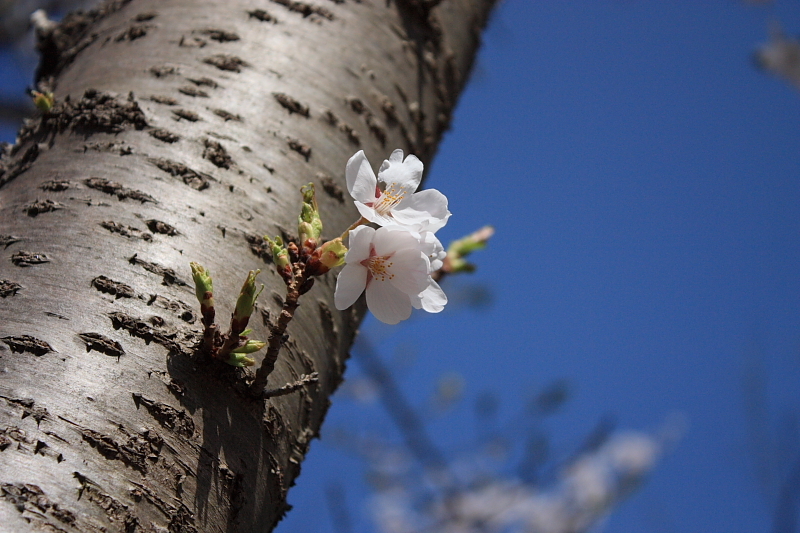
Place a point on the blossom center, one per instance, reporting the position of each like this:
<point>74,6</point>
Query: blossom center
<point>389,198</point>
<point>379,267</point>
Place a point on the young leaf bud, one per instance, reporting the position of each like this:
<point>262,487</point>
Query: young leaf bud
<point>309,225</point>
<point>250,346</point>
<point>245,303</point>
<point>203,285</point>
<point>44,101</point>
<point>280,256</point>
<point>240,360</point>
<point>459,249</point>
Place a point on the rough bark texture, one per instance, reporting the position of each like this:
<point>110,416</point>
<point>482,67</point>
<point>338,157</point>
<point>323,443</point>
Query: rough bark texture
<point>182,131</point>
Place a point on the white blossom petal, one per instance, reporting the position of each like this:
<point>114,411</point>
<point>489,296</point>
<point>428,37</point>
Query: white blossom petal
<point>387,302</point>
<point>359,244</point>
<point>423,211</point>
<point>349,285</point>
<point>432,247</point>
<point>433,299</point>
<point>373,216</point>
<point>406,174</point>
<point>361,181</point>
<point>411,271</point>
<point>389,239</point>
<point>395,157</point>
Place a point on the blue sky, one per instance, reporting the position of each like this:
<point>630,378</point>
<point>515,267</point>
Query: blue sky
<point>644,181</point>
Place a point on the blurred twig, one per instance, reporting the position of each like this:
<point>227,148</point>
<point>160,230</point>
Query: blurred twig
<point>406,418</point>
<point>788,508</point>
<point>13,111</point>
<point>337,507</point>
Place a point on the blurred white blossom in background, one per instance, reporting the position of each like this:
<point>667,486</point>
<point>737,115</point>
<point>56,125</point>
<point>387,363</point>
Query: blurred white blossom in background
<point>585,491</point>
<point>781,56</point>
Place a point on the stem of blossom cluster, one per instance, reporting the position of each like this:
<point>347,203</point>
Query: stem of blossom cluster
<point>231,343</point>
<point>277,331</point>
<point>357,223</point>
<point>209,338</point>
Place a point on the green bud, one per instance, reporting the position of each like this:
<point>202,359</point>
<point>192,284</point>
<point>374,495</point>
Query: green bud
<point>246,301</point>
<point>249,347</point>
<point>44,101</point>
<point>203,285</point>
<point>240,360</point>
<point>332,253</point>
<point>309,224</point>
<point>473,242</point>
<point>459,249</point>
<point>460,265</point>
<point>280,255</point>
<point>328,256</point>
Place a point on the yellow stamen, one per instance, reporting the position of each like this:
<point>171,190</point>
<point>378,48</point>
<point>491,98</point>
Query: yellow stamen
<point>379,268</point>
<point>391,196</point>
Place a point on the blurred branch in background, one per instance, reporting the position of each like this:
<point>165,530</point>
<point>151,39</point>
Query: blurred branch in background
<point>15,15</point>
<point>781,56</point>
<point>786,512</point>
<point>774,446</point>
<point>401,412</point>
<point>12,110</point>
<point>18,57</point>
<point>503,480</point>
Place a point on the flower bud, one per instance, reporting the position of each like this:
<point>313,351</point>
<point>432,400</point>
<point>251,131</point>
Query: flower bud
<point>204,291</point>
<point>44,101</point>
<point>294,252</point>
<point>203,285</point>
<point>280,256</point>
<point>459,249</point>
<point>458,264</point>
<point>250,346</point>
<point>471,243</point>
<point>245,303</point>
<point>309,224</point>
<point>279,253</point>
<point>329,255</point>
<point>240,360</point>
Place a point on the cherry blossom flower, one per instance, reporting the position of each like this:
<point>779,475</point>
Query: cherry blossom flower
<point>393,265</point>
<point>433,249</point>
<point>580,496</point>
<point>395,202</point>
<point>433,298</point>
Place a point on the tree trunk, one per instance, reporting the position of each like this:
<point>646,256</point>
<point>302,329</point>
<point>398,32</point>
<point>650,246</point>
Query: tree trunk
<point>182,131</point>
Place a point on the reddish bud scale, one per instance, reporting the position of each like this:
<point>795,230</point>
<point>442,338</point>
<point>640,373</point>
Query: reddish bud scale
<point>294,253</point>
<point>309,246</point>
<point>241,341</point>
<point>306,286</point>
<point>315,267</point>
<point>211,340</point>
<point>208,313</point>
<point>286,274</point>
<point>325,257</point>
<point>238,325</point>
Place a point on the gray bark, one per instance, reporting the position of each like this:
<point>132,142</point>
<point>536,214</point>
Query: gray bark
<point>182,132</point>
